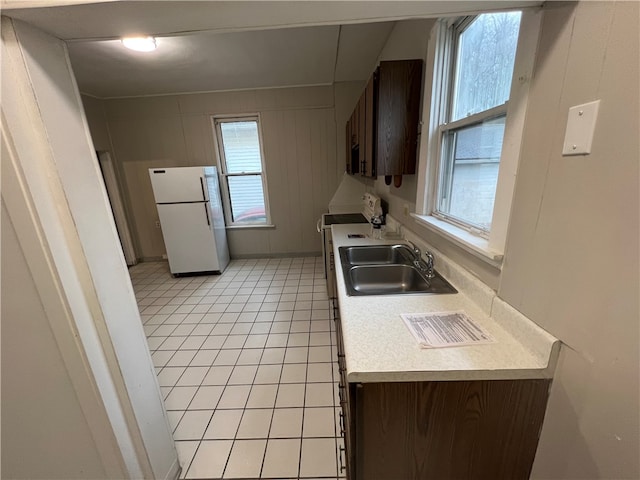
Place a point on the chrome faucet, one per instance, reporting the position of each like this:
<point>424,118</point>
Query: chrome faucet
<point>424,267</point>
<point>416,250</point>
<point>429,273</point>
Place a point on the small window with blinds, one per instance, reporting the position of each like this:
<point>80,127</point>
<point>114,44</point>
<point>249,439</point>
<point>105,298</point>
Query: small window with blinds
<point>244,187</point>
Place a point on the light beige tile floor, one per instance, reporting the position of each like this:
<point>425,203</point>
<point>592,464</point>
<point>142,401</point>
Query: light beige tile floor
<point>246,362</point>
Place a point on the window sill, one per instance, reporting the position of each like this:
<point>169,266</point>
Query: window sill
<point>244,227</point>
<point>476,246</point>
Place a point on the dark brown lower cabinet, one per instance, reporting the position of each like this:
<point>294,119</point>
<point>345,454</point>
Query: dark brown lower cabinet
<point>439,430</point>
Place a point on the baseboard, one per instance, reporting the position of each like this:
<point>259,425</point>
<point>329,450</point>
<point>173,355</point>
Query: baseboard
<point>152,259</point>
<point>247,256</point>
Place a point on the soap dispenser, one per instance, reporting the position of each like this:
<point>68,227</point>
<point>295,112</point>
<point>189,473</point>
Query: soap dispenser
<point>377,221</point>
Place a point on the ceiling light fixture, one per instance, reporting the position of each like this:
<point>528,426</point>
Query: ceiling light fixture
<point>140,44</point>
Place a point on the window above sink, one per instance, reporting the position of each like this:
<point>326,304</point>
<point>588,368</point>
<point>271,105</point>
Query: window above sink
<point>476,86</point>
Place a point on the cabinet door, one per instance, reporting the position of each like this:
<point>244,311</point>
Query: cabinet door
<point>347,143</point>
<point>446,430</point>
<point>398,109</point>
<point>369,169</point>
<point>355,125</point>
<point>354,161</point>
<point>346,461</point>
<point>362,137</point>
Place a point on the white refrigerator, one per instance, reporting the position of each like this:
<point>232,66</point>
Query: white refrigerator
<point>191,218</point>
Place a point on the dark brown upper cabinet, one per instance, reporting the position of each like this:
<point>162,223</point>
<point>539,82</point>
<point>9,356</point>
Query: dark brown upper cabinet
<point>368,163</point>
<point>352,142</point>
<point>362,134</point>
<point>398,112</point>
<point>383,127</point>
<point>348,145</point>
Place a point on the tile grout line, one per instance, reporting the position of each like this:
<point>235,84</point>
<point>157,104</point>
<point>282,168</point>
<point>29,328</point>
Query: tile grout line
<point>245,409</point>
<point>304,411</point>
<point>275,400</point>
<point>233,443</point>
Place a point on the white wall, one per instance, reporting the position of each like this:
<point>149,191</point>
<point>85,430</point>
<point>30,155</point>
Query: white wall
<point>45,433</point>
<point>46,124</point>
<point>97,120</point>
<point>572,258</point>
<point>299,136</point>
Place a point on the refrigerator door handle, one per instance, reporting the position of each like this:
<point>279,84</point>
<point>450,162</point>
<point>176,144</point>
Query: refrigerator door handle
<point>204,197</point>
<point>206,212</point>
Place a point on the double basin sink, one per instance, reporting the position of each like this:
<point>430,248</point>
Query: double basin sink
<point>388,270</point>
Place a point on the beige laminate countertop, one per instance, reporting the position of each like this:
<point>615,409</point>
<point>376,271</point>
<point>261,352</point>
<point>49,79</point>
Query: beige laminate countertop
<point>379,347</point>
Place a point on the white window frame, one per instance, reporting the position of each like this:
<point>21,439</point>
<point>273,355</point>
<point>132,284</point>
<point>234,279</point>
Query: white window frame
<point>488,246</point>
<point>217,120</point>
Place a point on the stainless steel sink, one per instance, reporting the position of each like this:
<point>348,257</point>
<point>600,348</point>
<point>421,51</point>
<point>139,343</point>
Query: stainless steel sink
<point>377,254</point>
<point>387,270</point>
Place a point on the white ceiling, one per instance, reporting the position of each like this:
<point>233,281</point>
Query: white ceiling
<point>226,61</point>
<point>225,45</point>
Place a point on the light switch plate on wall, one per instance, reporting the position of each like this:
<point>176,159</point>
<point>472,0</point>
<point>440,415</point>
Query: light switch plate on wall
<point>581,125</point>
